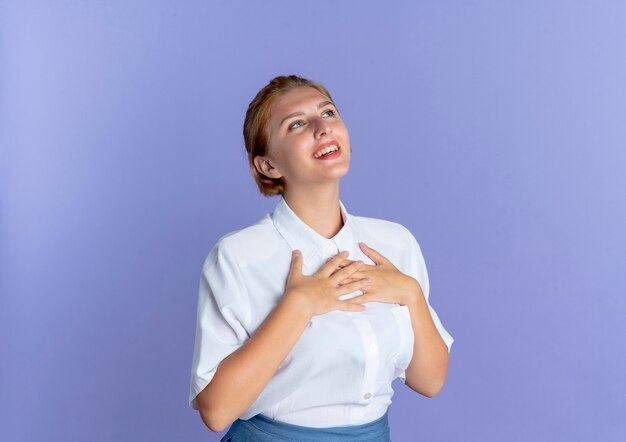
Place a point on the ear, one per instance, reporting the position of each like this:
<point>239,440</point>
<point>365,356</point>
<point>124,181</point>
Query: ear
<point>264,167</point>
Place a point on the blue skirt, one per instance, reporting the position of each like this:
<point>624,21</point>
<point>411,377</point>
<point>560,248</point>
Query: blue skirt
<point>263,429</point>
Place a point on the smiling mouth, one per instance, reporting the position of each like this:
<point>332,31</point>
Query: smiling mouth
<point>326,151</point>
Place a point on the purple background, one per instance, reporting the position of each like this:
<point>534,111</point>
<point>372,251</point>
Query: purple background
<point>495,131</point>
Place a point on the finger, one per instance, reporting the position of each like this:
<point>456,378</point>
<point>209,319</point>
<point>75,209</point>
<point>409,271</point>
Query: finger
<point>349,306</point>
<point>361,299</point>
<point>346,272</point>
<point>345,262</point>
<point>296,264</point>
<point>372,254</point>
<point>331,265</point>
<point>354,286</point>
<point>357,276</point>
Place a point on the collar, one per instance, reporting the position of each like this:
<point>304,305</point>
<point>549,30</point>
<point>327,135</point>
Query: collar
<point>302,237</point>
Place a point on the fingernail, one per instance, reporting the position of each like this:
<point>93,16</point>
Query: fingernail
<point>296,253</point>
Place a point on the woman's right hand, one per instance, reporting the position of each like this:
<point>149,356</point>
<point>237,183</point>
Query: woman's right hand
<point>319,293</point>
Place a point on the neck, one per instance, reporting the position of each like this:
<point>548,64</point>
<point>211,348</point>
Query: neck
<point>317,207</point>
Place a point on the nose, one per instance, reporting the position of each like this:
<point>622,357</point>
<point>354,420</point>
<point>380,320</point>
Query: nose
<point>322,128</point>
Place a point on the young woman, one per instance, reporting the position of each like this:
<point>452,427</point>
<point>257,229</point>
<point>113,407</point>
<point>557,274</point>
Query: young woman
<point>306,317</point>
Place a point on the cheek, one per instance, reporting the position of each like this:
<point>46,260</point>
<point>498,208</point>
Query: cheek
<point>289,158</point>
<point>277,157</point>
<point>342,130</point>
<point>344,138</point>
<point>298,148</point>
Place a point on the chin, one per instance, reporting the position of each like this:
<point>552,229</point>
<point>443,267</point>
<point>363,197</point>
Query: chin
<point>341,172</point>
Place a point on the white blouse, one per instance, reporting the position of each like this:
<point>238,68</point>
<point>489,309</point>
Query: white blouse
<point>341,369</point>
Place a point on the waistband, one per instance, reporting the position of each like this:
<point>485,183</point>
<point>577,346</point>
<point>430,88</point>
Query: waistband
<point>261,428</point>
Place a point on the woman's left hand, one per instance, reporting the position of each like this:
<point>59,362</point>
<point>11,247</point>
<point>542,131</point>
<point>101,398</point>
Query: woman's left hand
<point>388,284</point>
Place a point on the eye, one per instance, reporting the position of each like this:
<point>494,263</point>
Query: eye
<point>296,124</point>
<point>330,112</point>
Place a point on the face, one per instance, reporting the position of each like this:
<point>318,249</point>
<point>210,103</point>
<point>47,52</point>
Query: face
<point>308,142</point>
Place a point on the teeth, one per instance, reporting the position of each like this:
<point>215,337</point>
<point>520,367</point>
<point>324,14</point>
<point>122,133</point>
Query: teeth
<point>326,150</point>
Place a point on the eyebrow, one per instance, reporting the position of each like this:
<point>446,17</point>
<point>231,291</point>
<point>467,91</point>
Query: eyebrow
<point>295,114</point>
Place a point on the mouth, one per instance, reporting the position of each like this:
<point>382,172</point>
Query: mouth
<point>327,151</point>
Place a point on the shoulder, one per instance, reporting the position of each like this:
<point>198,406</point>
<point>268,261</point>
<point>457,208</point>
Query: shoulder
<point>392,239</point>
<point>386,230</point>
<point>238,244</point>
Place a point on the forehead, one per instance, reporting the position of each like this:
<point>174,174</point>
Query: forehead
<point>296,100</point>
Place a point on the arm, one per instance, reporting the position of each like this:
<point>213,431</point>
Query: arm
<point>427,370</point>
<point>241,377</point>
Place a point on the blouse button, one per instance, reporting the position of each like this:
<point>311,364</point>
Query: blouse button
<point>367,396</point>
<point>372,348</point>
<point>330,244</point>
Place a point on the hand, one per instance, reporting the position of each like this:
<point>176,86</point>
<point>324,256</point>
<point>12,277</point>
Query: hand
<point>388,285</point>
<point>319,293</point>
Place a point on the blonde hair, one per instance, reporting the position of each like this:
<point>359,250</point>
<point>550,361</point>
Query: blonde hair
<point>256,126</point>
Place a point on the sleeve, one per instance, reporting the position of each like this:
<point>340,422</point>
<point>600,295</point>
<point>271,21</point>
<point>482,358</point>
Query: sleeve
<point>223,308</point>
<point>417,269</point>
